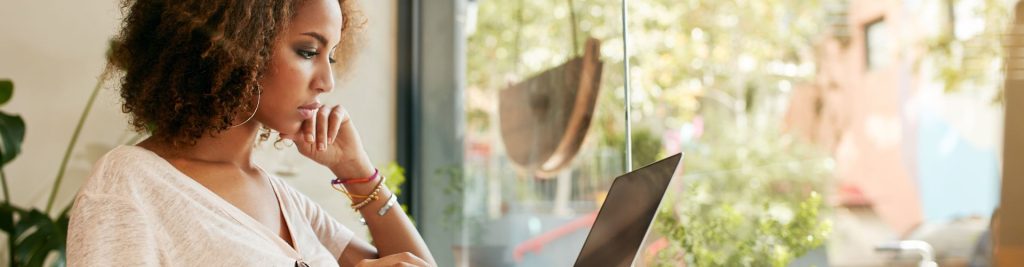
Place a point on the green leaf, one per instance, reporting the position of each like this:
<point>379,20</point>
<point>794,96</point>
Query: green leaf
<point>29,219</point>
<point>33,248</point>
<point>61,260</point>
<point>395,177</point>
<point>12,134</point>
<point>61,229</point>
<point>6,91</point>
<point>29,247</point>
<point>7,213</point>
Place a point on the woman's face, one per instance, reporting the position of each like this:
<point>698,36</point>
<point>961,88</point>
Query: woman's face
<point>300,67</point>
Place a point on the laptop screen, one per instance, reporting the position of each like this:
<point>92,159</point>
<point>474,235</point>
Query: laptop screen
<point>626,215</point>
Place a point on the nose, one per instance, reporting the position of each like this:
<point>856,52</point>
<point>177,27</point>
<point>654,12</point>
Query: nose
<point>323,80</point>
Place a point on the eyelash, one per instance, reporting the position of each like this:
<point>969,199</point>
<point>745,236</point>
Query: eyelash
<point>307,54</point>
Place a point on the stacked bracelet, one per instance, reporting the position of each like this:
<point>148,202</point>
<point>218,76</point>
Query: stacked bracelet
<point>373,196</point>
<point>339,185</point>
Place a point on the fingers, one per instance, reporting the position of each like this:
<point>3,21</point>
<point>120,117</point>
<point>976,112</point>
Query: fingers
<point>322,129</point>
<point>308,132</point>
<point>415,261</point>
<point>408,259</point>
<point>322,120</point>
<point>336,120</point>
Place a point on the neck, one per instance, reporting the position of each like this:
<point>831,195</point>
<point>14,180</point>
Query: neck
<point>232,146</point>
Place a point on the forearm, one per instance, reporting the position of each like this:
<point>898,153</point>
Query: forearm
<point>392,232</point>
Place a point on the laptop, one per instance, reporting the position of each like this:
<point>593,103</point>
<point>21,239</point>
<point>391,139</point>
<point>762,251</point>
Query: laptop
<point>626,216</point>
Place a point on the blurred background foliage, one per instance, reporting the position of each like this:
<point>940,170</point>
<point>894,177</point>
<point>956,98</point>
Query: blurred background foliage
<point>969,57</point>
<point>749,200</point>
<point>729,65</point>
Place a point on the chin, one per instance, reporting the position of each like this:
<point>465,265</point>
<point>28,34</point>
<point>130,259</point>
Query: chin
<point>295,128</point>
<point>287,130</point>
<point>290,128</point>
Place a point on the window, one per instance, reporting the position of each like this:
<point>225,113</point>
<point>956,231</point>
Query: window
<point>876,44</point>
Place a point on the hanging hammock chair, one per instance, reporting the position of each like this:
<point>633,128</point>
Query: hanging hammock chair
<point>545,118</point>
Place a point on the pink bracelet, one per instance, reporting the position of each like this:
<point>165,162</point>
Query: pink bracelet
<point>376,174</point>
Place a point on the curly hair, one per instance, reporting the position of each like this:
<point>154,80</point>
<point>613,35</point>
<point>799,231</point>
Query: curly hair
<point>188,67</point>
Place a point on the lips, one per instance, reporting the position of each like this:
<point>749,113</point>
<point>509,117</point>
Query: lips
<point>307,111</point>
<point>315,105</point>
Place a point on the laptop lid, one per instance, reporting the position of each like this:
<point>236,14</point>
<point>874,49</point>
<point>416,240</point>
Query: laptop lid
<point>627,214</point>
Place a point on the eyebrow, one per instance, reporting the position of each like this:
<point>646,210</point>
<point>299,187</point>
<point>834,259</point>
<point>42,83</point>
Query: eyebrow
<point>323,41</point>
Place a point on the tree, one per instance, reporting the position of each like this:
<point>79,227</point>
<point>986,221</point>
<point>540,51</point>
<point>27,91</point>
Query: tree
<point>967,52</point>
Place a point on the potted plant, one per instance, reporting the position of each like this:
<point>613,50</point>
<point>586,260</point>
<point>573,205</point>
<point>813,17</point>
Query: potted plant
<point>32,234</point>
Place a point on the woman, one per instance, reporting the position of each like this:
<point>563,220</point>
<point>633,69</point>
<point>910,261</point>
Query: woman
<point>205,77</point>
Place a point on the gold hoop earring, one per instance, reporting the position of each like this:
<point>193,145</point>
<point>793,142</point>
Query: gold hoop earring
<point>259,94</point>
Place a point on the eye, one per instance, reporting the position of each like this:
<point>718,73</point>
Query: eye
<point>307,54</point>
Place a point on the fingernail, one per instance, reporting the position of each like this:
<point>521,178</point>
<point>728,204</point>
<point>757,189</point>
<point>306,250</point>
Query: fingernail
<point>332,141</point>
<point>309,138</point>
<point>323,147</point>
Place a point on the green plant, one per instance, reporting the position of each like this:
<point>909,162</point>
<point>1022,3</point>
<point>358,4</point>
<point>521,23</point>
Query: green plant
<point>959,60</point>
<point>756,204</point>
<point>456,217</point>
<point>647,147</point>
<point>32,234</point>
<point>395,178</point>
<point>454,186</point>
<point>722,235</point>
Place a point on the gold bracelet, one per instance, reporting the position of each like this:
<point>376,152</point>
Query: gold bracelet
<point>366,201</point>
<point>350,195</point>
<point>373,195</point>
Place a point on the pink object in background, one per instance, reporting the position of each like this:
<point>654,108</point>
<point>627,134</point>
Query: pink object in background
<point>674,139</point>
<point>537,243</point>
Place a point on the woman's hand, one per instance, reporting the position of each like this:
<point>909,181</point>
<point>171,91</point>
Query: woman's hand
<point>400,259</point>
<point>330,138</point>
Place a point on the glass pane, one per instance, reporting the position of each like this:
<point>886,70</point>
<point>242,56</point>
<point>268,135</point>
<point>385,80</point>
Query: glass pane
<point>819,133</point>
<point>713,80</point>
<point>544,129</point>
<point>816,132</point>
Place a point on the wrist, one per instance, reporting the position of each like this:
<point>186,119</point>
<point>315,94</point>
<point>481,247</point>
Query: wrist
<point>353,170</point>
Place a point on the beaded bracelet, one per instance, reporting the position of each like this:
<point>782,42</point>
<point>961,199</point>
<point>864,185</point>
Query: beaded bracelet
<point>372,197</point>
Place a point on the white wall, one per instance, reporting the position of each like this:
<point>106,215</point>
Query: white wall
<point>54,51</point>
